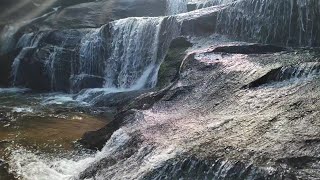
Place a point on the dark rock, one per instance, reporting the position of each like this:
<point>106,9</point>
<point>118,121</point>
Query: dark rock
<point>180,42</point>
<point>97,139</point>
<point>4,174</point>
<point>6,61</point>
<point>117,99</point>
<point>184,168</point>
<point>20,10</point>
<point>85,81</point>
<point>191,7</point>
<point>176,92</point>
<point>44,69</point>
<point>201,25</point>
<point>249,49</point>
<point>147,100</point>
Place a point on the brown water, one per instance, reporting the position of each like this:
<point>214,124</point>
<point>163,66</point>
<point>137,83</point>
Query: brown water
<point>28,121</point>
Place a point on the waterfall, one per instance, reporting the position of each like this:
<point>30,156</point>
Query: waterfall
<point>134,47</point>
<point>127,53</point>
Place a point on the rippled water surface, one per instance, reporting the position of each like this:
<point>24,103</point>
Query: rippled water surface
<point>47,125</point>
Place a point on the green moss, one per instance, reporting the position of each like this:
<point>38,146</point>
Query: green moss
<point>170,67</point>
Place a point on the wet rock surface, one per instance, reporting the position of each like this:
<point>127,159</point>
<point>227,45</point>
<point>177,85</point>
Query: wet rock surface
<point>232,133</point>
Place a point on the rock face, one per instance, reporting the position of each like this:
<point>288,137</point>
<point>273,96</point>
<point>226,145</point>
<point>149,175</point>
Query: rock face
<point>208,126</point>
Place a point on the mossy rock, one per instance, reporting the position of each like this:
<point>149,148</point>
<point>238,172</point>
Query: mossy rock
<point>169,69</point>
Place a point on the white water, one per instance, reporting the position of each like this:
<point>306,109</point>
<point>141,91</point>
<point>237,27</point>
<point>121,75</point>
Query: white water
<point>23,110</point>
<point>93,52</point>
<point>134,47</point>
<point>30,166</point>
<point>134,56</point>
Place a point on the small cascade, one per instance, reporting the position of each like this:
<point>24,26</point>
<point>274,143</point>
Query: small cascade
<point>54,67</point>
<point>295,73</point>
<point>176,6</point>
<point>16,64</point>
<point>286,22</point>
<point>25,40</point>
<point>305,70</point>
<point>123,56</point>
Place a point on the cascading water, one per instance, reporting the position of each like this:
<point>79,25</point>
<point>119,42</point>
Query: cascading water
<point>286,22</point>
<point>132,60</point>
<point>134,47</point>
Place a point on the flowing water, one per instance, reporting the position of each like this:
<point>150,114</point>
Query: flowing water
<point>132,60</point>
<point>41,124</point>
<point>38,131</point>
